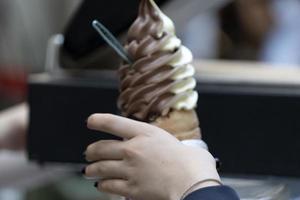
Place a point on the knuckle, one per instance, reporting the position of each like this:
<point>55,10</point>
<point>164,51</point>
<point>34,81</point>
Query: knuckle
<point>147,128</point>
<point>133,183</point>
<point>129,152</point>
<point>108,185</point>
<point>116,188</point>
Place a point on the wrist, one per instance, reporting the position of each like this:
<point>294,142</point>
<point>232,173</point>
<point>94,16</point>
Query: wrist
<point>200,185</point>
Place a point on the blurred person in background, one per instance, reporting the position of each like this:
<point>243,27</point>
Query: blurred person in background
<point>283,40</point>
<point>26,26</point>
<point>25,29</point>
<point>13,125</point>
<point>261,30</point>
<point>244,28</point>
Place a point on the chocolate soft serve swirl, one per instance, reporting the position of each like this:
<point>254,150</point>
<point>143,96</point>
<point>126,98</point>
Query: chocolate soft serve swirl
<point>161,78</point>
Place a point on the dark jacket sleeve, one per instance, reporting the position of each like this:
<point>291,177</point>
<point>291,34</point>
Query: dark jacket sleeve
<point>213,193</point>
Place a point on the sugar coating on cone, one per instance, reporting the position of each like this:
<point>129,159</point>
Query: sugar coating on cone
<point>159,87</point>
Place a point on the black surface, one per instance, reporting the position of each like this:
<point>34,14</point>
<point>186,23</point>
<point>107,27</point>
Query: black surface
<point>253,129</point>
<point>58,114</point>
<point>252,133</point>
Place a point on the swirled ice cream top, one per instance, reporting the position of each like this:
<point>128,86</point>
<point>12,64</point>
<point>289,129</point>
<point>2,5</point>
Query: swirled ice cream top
<point>162,77</point>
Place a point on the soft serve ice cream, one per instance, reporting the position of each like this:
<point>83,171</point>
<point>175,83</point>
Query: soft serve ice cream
<point>159,87</point>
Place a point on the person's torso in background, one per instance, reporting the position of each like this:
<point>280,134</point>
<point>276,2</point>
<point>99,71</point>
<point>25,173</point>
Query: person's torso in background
<point>26,26</point>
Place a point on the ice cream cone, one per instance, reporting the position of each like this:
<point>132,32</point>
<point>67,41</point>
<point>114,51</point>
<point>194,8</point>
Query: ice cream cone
<point>158,87</point>
<point>183,124</point>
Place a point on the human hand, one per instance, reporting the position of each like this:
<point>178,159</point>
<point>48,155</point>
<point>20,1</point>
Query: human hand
<point>149,164</point>
<point>13,125</point>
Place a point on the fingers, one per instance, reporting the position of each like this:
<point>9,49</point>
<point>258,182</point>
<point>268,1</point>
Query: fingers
<point>105,150</point>
<point>107,170</point>
<point>115,186</point>
<point>118,126</point>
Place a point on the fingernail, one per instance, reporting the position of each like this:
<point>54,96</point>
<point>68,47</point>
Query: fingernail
<point>96,184</point>
<point>218,163</point>
<point>83,171</point>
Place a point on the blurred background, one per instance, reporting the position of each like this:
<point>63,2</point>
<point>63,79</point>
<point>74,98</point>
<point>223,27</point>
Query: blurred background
<point>258,30</point>
<point>26,27</point>
<point>253,31</point>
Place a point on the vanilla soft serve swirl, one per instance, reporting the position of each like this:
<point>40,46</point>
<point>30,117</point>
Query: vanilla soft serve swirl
<point>161,77</point>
